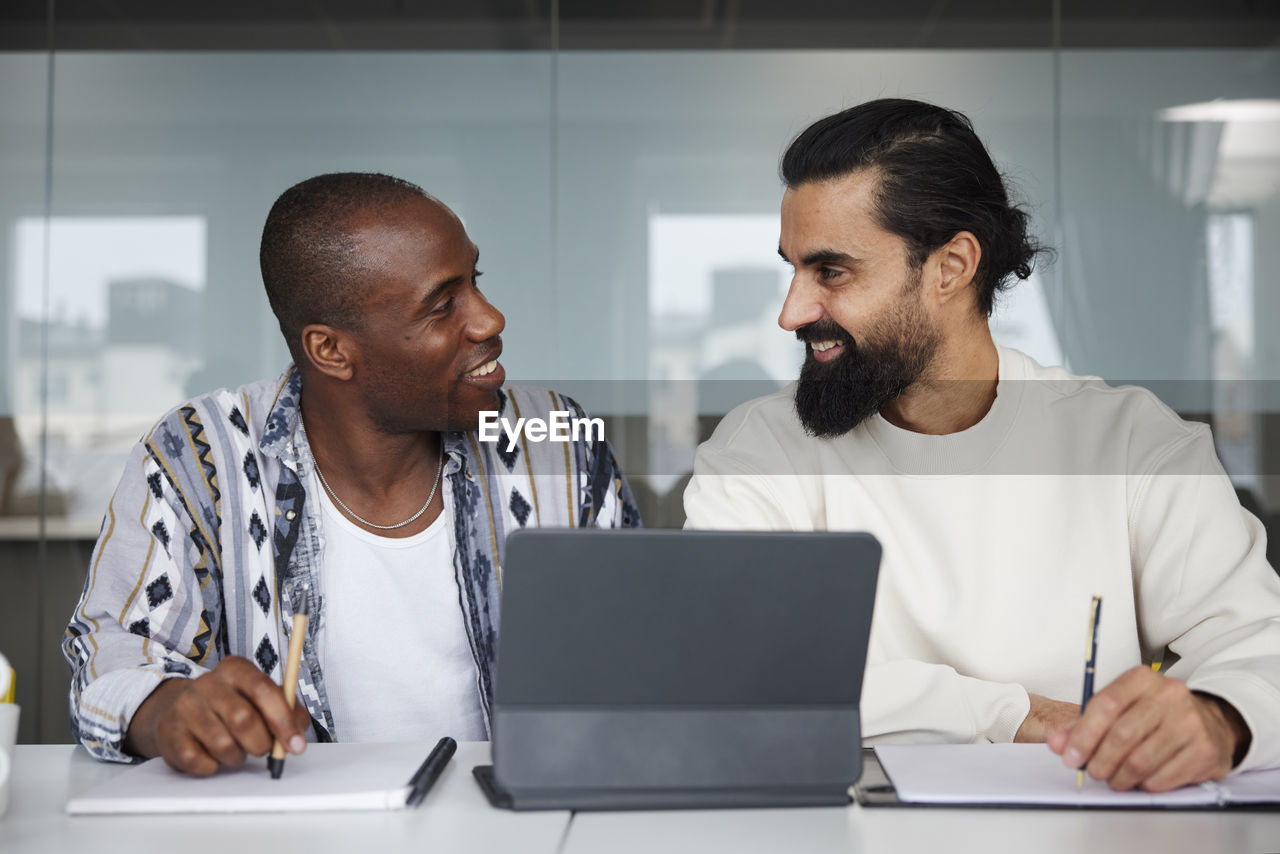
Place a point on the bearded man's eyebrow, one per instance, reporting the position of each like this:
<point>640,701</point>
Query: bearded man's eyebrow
<point>830,256</point>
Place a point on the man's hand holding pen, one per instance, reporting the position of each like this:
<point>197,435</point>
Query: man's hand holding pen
<point>217,719</point>
<point>1151,732</point>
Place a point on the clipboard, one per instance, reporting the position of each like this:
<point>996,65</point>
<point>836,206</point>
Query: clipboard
<point>1029,776</point>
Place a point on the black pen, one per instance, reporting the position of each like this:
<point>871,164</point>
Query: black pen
<point>1095,617</point>
<point>427,774</point>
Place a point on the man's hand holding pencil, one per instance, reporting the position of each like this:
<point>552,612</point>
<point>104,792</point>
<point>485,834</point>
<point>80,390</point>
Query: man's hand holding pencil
<point>220,718</point>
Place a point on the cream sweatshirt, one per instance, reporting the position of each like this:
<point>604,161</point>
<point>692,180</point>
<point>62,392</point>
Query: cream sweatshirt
<point>996,538</point>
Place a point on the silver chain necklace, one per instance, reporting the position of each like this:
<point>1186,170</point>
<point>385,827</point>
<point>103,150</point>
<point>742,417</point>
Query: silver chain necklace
<point>363,521</point>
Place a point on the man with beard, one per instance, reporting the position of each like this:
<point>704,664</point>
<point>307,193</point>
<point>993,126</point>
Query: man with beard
<point>356,483</point>
<point>1005,494</point>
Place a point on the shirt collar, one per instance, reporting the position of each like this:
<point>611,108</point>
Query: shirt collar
<point>284,417</point>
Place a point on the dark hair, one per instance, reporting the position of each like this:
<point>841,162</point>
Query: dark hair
<point>935,180</point>
<point>310,265</point>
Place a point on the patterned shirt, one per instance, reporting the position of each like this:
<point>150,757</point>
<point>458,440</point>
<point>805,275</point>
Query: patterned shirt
<point>209,544</point>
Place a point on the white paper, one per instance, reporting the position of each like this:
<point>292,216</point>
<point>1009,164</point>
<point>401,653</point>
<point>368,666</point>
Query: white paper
<point>1031,774</point>
<point>325,777</point>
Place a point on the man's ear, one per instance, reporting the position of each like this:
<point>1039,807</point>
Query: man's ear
<point>330,351</point>
<point>957,263</point>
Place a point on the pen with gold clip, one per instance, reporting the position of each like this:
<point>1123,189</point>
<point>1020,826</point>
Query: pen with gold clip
<point>1095,616</point>
<point>275,764</point>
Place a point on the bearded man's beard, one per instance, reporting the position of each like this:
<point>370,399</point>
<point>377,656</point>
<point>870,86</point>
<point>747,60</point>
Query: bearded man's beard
<point>834,397</point>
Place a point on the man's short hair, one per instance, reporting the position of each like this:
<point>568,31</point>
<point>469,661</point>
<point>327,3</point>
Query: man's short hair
<point>310,263</point>
<point>935,179</point>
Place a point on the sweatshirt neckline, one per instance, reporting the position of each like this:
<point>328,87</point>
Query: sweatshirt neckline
<point>964,452</point>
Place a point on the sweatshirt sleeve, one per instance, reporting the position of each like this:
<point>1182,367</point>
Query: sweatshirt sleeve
<point>728,494</point>
<point>1206,590</point>
<point>916,701</point>
<point>140,610</point>
<point>903,700</point>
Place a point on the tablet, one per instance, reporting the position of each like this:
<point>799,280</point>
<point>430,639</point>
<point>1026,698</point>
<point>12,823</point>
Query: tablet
<point>667,669</point>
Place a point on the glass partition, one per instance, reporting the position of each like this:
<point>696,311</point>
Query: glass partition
<point>164,166</point>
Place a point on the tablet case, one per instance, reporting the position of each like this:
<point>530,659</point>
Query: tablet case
<point>680,669</point>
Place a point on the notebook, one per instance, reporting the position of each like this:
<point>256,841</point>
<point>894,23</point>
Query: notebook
<point>328,777</point>
<point>680,669</point>
<point>1030,775</point>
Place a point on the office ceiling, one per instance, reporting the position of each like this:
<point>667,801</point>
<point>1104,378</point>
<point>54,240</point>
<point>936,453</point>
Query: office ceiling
<point>633,24</point>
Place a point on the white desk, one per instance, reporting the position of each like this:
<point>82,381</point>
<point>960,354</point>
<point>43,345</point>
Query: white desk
<point>925,830</point>
<point>455,817</point>
<point>891,830</point>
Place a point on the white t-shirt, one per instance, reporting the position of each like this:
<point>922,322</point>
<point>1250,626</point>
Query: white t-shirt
<point>394,649</point>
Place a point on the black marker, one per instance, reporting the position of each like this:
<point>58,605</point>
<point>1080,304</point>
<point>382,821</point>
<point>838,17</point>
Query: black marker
<point>427,774</point>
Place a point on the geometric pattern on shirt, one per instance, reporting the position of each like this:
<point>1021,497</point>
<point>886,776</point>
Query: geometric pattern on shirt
<point>153,482</point>
<point>589,490</point>
<point>200,643</point>
<point>508,457</point>
<point>198,540</point>
<point>266,655</point>
<point>204,453</point>
<point>262,595</point>
<point>519,507</point>
<point>250,467</point>
<point>630,514</point>
<point>257,530</point>
<point>258,555</point>
<point>159,591</point>
<point>161,533</point>
<point>500,447</point>
<point>142,627</point>
<point>238,420</point>
<point>201,568</point>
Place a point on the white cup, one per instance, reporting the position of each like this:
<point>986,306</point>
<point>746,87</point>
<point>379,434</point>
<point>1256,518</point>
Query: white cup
<point>8,736</point>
